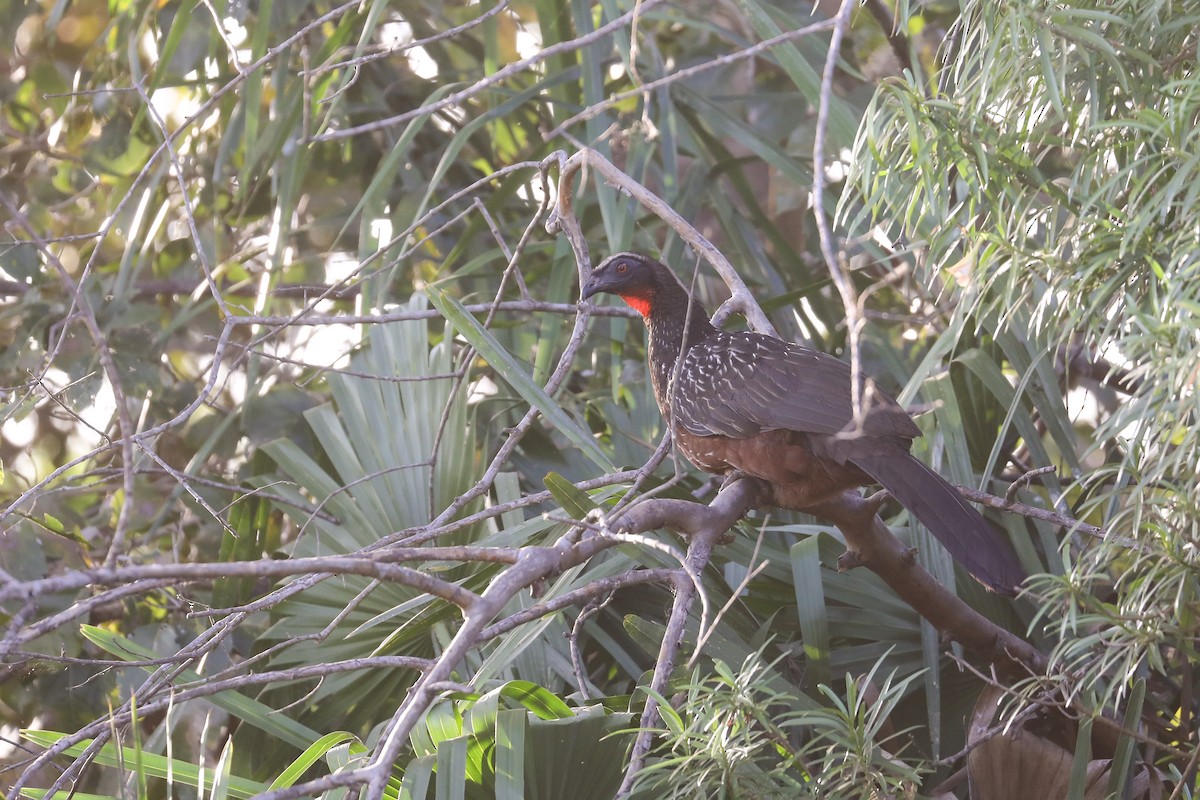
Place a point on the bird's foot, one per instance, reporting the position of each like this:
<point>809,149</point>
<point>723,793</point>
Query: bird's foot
<point>719,483</point>
<point>734,476</point>
<point>876,501</point>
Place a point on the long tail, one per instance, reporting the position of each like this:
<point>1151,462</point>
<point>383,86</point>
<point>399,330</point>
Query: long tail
<point>971,540</point>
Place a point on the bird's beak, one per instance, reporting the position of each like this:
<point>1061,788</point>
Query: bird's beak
<point>592,286</point>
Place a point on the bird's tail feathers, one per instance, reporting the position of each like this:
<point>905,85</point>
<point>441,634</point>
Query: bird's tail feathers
<point>969,538</point>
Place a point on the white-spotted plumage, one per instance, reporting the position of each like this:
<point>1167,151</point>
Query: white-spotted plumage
<point>783,413</point>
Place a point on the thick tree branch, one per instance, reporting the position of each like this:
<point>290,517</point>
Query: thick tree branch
<point>870,544</point>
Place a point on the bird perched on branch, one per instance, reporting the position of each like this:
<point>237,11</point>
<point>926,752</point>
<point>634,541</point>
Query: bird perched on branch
<point>738,401</point>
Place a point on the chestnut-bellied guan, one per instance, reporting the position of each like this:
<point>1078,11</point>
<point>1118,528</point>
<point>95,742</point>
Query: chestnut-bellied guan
<point>746,402</point>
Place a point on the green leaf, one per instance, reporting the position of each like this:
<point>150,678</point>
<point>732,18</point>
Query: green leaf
<point>810,605</point>
<point>443,722</point>
<point>573,500</point>
<point>542,702</point>
<point>154,766</point>
<point>417,776</point>
<point>510,753</point>
<point>311,755</point>
<point>1123,757</point>
<point>581,758</point>
<point>451,769</point>
<point>507,368</point>
<point>248,711</point>
<point>52,524</point>
<point>220,789</point>
<point>1077,787</point>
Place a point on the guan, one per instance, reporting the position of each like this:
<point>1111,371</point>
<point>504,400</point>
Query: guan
<point>739,402</point>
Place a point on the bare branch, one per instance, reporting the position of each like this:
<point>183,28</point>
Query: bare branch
<point>704,526</point>
<point>740,301</point>
<point>374,566</point>
<point>824,233</point>
<point>1033,512</point>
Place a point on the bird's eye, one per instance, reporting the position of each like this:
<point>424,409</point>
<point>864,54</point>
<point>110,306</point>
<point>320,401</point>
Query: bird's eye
<point>622,267</point>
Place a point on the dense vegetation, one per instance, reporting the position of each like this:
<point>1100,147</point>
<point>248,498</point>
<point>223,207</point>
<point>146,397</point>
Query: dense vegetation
<point>299,406</point>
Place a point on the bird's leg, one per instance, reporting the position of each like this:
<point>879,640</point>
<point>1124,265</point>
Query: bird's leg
<point>873,503</point>
<point>876,500</point>
<point>719,482</point>
<point>735,475</point>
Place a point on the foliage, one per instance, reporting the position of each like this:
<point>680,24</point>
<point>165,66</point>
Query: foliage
<point>735,735</point>
<point>297,385</point>
<point>1052,170</point>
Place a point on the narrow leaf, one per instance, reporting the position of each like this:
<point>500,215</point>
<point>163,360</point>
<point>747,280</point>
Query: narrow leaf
<point>155,766</point>
<point>541,702</point>
<point>1077,788</point>
<point>510,753</point>
<point>810,605</point>
<point>451,769</point>
<point>573,500</point>
<point>507,368</point>
<point>249,711</point>
<point>1118,777</point>
<point>312,754</point>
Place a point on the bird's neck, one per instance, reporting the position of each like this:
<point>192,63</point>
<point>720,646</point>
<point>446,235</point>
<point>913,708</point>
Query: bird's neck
<point>673,331</point>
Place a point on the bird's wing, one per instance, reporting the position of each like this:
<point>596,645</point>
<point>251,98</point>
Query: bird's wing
<point>738,384</point>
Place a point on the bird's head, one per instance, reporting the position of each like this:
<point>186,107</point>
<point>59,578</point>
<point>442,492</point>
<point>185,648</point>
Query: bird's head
<point>636,278</point>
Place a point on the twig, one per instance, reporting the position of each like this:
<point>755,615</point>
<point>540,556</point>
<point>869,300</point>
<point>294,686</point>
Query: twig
<point>184,415</point>
<point>1011,494</point>
<point>596,109</point>
<point>108,364</point>
<point>373,566</point>
<point>501,75</point>
<point>430,313</point>
<point>18,634</point>
<point>734,596</point>
<point>583,594</point>
<point>824,233</point>
<point>648,543</point>
<point>740,299</point>
<point>1054,518</point>
<point>592,608</point>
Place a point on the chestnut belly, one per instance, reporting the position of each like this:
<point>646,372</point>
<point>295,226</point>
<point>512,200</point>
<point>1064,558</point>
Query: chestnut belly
<point>799,476</point>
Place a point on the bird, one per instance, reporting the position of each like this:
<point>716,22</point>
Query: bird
<point>745,403</point>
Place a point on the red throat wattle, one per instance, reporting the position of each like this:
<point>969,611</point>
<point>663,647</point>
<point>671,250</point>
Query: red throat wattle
<point>639,302</point>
